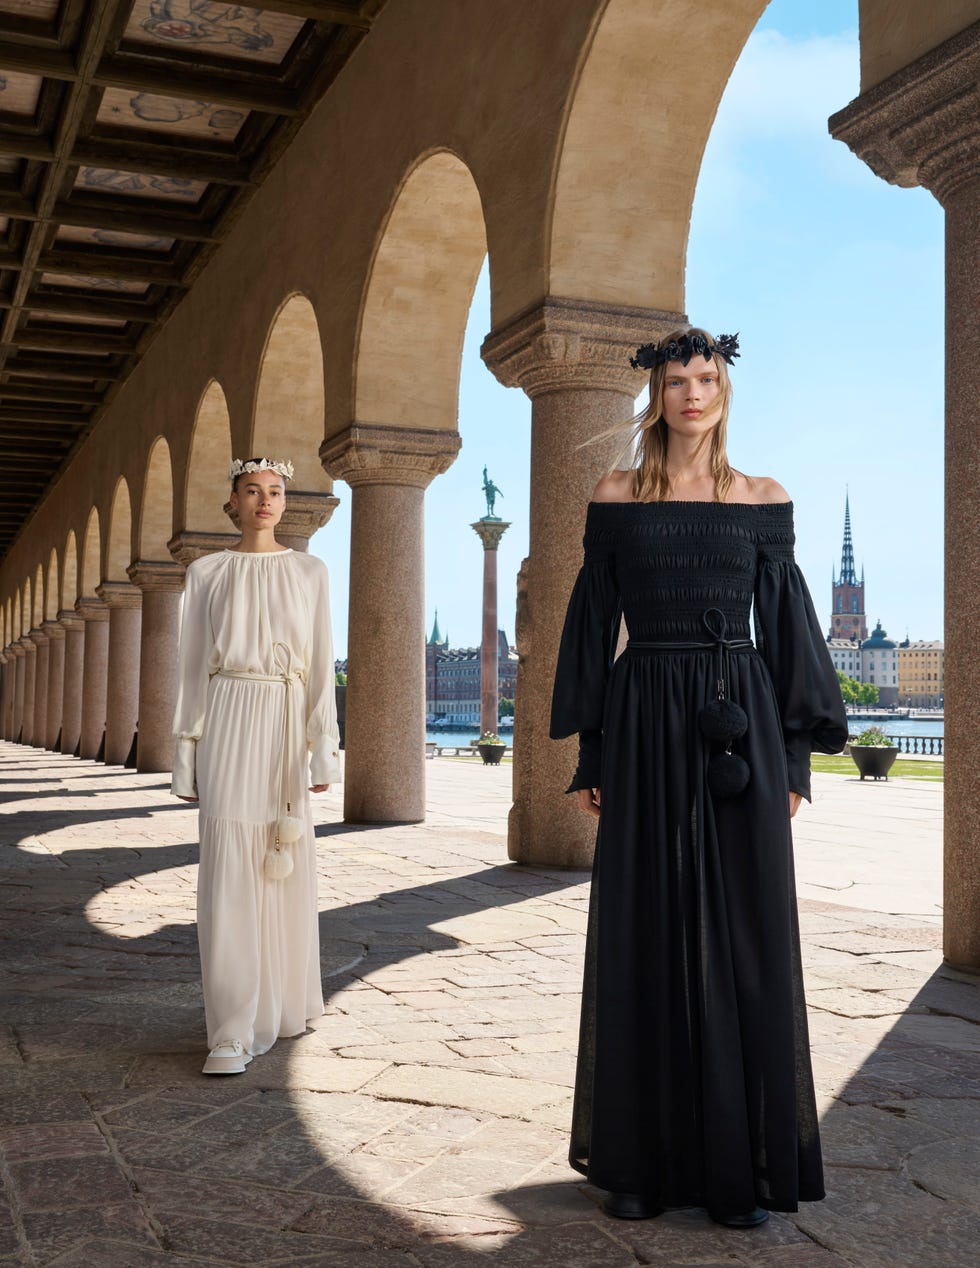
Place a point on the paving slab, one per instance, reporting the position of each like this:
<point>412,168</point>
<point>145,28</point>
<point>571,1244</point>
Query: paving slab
<point>423,1119</point>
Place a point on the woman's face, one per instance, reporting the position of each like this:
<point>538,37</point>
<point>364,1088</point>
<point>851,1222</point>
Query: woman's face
<point>692,396</point>
<point>260,499</point>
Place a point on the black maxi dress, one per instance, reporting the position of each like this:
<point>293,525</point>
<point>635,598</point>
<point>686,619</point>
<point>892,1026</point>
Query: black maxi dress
<point>693,1085</point>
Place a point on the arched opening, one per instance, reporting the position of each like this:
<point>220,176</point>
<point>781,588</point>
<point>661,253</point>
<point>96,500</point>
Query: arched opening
<point>51,589</point>
<point>418,296</point>
<point>637,126</point>
<point>288,418</point>
<point>207,466</point>
<point>90,573</point>
<point>157,503</point>
<point>69,573</point>
<point>37,609</point>
<point>119,553</point>
<point>17,627</point>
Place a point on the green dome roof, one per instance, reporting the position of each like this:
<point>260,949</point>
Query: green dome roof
<point>879,638</point>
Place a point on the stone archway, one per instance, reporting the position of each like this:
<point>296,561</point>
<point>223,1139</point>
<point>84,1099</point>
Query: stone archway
<point>124,602</point>
<point>288,418</point>
<point>156,513</point>
<point>200,514</point>
<point>429,252</point>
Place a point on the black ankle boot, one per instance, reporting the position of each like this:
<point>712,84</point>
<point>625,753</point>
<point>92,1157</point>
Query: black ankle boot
<point>751,1219</point>
<point>630,1206</point>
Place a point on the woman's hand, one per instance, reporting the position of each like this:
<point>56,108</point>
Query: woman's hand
<point>183,798</point>
<point>794,803</point>
<point>588,800</point>
<point>319,787</point>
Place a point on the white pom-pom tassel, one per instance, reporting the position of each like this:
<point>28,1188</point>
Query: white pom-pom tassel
<point>278,864</point>
<point>289,829</point>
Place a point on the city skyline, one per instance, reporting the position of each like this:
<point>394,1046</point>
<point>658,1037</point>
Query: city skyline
<point>833,279</point>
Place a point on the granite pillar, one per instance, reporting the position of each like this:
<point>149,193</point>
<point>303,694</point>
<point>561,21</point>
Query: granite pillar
<point>572,359</point>
<point>922,127</point>
<point>124,601</point>
<point>304,514</point>
<point>489,531</point>
<point>6,691</point>
<point>40,640</point>
<point>388,469</point>
<point>71,699</point>
<point>30,686</point>
<point>161,583</point>
<point>56,683</point>
<point>17,705</point>
<point>95,613</point>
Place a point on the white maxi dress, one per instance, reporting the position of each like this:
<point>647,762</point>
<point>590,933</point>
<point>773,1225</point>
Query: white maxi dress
<point>255,630</point>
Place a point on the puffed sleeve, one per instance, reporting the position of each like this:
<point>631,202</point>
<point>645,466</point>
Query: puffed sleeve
<point>793,646</point>
<point>322,733</point>
<point>196,639</point>
<point>587,650</point>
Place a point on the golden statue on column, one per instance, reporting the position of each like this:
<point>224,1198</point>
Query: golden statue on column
<point>489,529</point>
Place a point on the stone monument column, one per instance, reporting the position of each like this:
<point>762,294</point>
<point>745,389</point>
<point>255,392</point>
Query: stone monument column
<point>162,584</point>
<point>572,359</point>
<point>30,687</point>
<point>71,700</point>
<point>95,613</point>
<point>39,638</point>
<point>388,469</point>
<point>921,126</point>
<point>56,683</point>
<point>304,514</point>
<point>489,531</point>
<point>17,704</point>
<point>123,683</point>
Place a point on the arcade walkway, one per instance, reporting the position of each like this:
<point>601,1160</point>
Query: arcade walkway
<point>422,1120</point>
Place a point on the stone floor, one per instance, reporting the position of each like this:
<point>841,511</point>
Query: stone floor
<point>422,1121</point>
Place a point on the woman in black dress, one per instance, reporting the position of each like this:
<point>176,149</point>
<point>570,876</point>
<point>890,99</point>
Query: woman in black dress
<point>694,1085</point>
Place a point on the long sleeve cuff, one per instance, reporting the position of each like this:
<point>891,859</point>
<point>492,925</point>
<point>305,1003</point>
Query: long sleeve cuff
<point>184,783</point>
<point>589,770</point>
<point>798,764</point>
<point>325,761</point>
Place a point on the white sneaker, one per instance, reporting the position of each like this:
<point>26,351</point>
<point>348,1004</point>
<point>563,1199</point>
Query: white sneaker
<point>227,1057</point>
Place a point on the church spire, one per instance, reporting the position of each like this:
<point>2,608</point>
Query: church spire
<point>436,637</point>
<point>847,575</point>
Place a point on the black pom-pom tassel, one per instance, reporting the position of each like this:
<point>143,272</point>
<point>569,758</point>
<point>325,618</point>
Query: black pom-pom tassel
<point>722,721</point>
<point>728,775</point>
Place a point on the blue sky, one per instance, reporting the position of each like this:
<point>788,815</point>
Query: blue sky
<point>835,282</point>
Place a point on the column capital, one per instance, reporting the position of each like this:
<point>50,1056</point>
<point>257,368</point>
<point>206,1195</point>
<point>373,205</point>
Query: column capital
<point>921,126</point>
<point>38,636</point>
<point>27,644</point>
<point>119,594</point>
<point>157,574</point>
<point>574,343</point>
<point>188,545</point>
<point>15,649</point>
<point>69,619</point>
<point>304,514</point>
<point>374,453</point>
<point>90,608</point>
<point>54,630</point>
<point>490,532</point>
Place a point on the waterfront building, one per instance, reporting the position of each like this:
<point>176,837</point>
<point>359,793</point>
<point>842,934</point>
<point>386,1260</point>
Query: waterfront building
<point>846,655</point>
<point>452,678</point>
<point>848,618</point>
<point>879,665</point>
<point>921,669</point>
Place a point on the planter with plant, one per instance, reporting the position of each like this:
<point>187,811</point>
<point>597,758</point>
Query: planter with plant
<point>873,753</point>
<point>491,748</point>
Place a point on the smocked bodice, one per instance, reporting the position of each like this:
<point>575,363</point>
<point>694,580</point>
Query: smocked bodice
<point>674,560</point>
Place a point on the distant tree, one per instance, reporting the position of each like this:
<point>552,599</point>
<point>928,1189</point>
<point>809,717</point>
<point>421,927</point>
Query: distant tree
<point>849,688</point>
<point>341,678</point>
<point>867,693</point>
<point>506,709</point>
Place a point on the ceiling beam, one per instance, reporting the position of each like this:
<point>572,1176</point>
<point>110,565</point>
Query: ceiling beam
<point>162,160</point>
<point>101,216</point>
<point>341,14</point>
<point>129,71</point>
<point>100,264</point>
<point>65,395</point>
<point>109,308</point>
<point>54,341</point>
<point>52,63</point>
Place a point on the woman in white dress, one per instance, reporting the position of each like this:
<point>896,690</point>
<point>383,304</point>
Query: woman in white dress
<point>255,697</point>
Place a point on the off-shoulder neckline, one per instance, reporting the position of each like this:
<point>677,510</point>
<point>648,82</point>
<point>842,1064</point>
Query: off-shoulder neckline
<point>742,506</point>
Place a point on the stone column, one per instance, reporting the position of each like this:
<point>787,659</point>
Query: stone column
<point>922,127</point>
<point>572,359</point>
<point>304,514</point>
<point>40,640</point>
<point>6,691</point>
<point>161,584</point>
<point>30,688</point>
<point>489,532</point>
<point>17,704</point>
<point>56,683</point>
<point>71,700</point>
<point>388,469</point>
<point>95,613</point>
<point>188,544</point>
<point>122,696</point>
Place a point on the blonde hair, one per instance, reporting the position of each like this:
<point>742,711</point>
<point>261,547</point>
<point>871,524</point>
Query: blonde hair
<point>647,443</point>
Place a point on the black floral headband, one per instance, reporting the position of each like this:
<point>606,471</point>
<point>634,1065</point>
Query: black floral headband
<point>683,349</point>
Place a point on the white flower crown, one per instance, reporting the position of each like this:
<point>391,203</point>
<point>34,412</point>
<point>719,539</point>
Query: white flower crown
<point>237,468</point>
